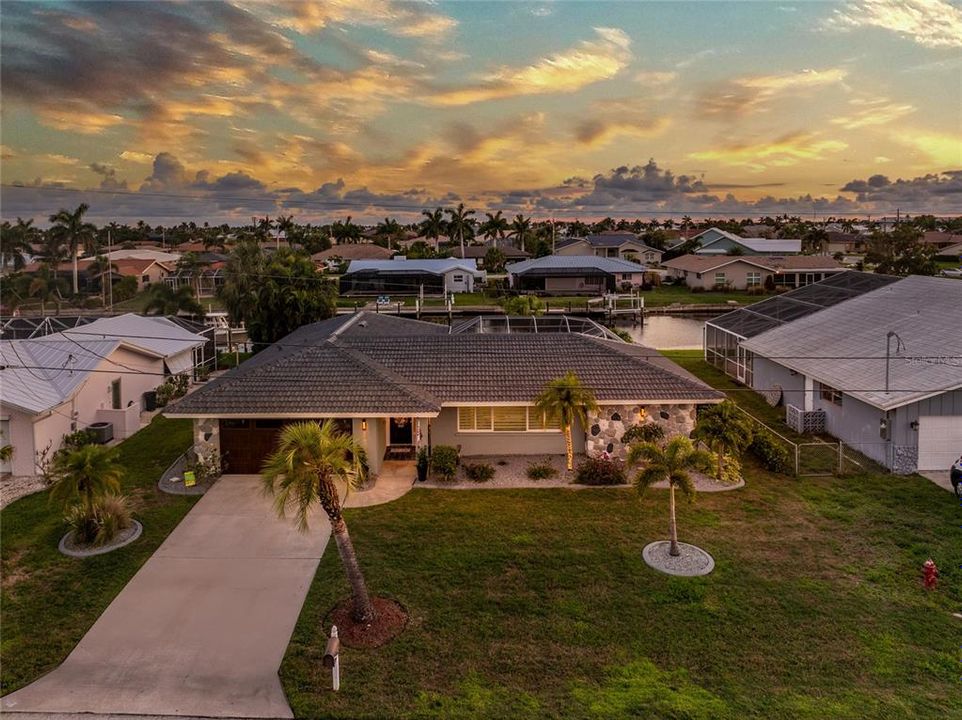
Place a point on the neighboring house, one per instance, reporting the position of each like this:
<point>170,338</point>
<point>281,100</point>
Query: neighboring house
<point>740,273</point>
<point>872,359</point>
<point>205,277</point>
<point>713,234</point>
<point>350,251</point>
<point>477,252</point>
<point>146,271</point>
<point>843,242</point>
<point>60,383</point>
<point>951,252</point>
<point>433,243</point>
<point>940,240</point>
<point>622,245</point>
<point>409,277</point>
<point>574,274</point>
<point>398,384</point>
<point>750,246</point>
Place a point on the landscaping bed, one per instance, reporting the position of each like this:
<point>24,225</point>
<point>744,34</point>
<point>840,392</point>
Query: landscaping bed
<point>529,604</point>
<point>49,600</point>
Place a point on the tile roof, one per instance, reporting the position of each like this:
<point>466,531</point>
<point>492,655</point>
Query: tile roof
<point>385,365</point>
<point>479,251</point>
<point>844,345</point>
<point>544,265</point>
<point>704,263</point>
<point>354,251</point>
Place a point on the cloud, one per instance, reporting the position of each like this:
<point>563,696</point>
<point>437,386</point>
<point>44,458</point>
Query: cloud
<point>926,191</point>
<point>879,111</point>
<point>939,148</point>
<point>588,62</point>
<point>789,149</point>
<point>931,23</point>
<point>608,119</point>
<point>655,77</point>
<point>109,175</point>
<point>753,94</point>
<point>406,19</point>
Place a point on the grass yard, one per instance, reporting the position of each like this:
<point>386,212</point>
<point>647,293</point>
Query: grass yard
<point>537,604</point>
<point>49,600</point>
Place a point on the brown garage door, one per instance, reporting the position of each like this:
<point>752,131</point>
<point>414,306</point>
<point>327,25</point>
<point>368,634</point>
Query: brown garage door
<point>245,444</point>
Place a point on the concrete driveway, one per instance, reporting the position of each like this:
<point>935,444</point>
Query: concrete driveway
<point>202,628</point>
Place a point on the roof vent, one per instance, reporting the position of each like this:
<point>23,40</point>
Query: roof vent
<point>363,323</point>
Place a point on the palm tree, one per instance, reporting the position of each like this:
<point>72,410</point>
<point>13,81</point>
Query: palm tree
<point>495,227</point>
<point>71,231</point>
<point>388,230</point>
<point>86,474</point>
<point>285,224</point>
<point>433,225</point>
<point>17,242</point>
<point>670,462</point>
<point>520,227</point>
<point>345,232</point>
<point>162,299</point>
<point>725,429</point>
<point>568,400</point>
<point>461,224</point>
<point>46,286</point>
<point>263,227</point>
<point>311,465</point>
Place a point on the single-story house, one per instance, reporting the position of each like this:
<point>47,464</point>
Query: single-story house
<point>940,240</point>
<point>409,277</point>
<point>574,274</point>
<point>750,246</point>
<point>871,359</point>
<point>951,252</point>
<point>348,252</point>
<point>54,385</point>
<point>397,384</point>
<point>712,234</point>
<point>740,272</point>
<point>146,271</point>
<point>477,252</point>
<point>843,242</point>
<point>615,244</point>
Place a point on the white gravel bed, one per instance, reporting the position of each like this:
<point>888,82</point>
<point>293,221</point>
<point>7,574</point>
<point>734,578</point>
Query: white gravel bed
<point>18,486</point>
<point>692,561</point>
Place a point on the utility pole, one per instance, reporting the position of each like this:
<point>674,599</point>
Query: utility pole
<point>110,274</point>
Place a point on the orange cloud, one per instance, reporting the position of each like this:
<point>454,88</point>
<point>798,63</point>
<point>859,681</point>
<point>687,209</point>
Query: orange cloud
<point>588,62</point>
<point>782,152</point>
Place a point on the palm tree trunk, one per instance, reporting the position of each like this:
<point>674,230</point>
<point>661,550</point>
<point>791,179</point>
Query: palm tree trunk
<point>672,524</point>
<point>569,448</point>
<point>721,461</point>
<point>76,287</point>
<point>363,610</point>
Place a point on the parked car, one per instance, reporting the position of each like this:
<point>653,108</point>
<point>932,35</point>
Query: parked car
<point>955,474</point>
<point>957,273</point>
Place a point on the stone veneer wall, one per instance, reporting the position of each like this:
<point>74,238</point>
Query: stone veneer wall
<point>206,435</point>
<point>606,426</point>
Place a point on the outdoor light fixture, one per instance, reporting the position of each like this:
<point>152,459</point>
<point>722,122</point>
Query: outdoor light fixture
<point>914,424</point>
<point>364,425</point>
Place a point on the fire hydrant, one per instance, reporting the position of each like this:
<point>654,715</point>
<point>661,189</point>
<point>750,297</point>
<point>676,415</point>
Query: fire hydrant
<point>930,574</point>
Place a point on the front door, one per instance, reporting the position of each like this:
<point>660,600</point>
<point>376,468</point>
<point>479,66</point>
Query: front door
<point>401,431</point>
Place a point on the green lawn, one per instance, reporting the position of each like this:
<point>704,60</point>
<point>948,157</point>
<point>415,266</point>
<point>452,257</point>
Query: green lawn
<point>49,600</point>
<point>537,604</point>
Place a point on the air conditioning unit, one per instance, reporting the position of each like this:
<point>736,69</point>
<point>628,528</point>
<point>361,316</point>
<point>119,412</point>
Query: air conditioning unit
<point>103,432</point>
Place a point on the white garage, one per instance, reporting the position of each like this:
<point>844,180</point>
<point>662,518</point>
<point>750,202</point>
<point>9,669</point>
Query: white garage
<point>940,441</point>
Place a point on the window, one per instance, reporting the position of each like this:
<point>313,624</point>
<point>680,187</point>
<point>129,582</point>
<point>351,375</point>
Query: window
<point>720,278</point>
<point>145,279</point>
<point>115,394</point>
<point>626,277</point>
<point>457,278</point>
<point>831,394</point>
<point>512,418</point>
<point>754,279</point>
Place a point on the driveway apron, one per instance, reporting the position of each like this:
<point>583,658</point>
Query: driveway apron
<point>202,628</point>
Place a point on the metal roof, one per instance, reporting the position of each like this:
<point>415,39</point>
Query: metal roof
<point>57,369</point>
<point>505,324</point>
<point>575,262</point>
<point>775,311</point>
<point>844,345</point>
<point>156,335</point>
<point>765,245</point>
<point>402,265</point>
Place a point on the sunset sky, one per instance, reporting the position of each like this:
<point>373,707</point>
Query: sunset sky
<point>216,111</point>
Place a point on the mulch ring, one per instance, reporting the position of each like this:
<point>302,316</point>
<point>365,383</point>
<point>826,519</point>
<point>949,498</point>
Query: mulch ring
<point>390,620</point>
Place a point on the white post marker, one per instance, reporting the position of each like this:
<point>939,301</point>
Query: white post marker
<point>332,657</point>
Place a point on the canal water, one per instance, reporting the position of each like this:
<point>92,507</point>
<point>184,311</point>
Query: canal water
<point>669,332</point>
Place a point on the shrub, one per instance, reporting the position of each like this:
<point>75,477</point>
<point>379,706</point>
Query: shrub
<point>423,459</point>
<point>756,290</point>
<point>731,470</point>
<point>444,462</point>
<point>646,432</point>
<point>697,289</point>
<point>173,387</point>
<point>769,452</point>
<point>540,471</point>
<point>76,440</point>
<point>110,514</point>
<point>479,472</point>
<point>524,305</point>
<point>601,471</point>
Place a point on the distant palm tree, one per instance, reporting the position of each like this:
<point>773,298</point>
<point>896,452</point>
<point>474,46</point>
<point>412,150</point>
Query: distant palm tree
<point>671,462</point>
<point>70,230</point>
<point>345,232</point>
<point>725,429</point>
<point>314,464</point>
<point>461,224</point>
<point>17,242</point>
<point>388,230</point>
<point>264,227</point>
<point>520,228</point>
<point>495,227</point>
<point>433,225</point>
<point>285,224</point>
<point>568,400</point>
<point>46,285</point>
<point>162,299</point>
